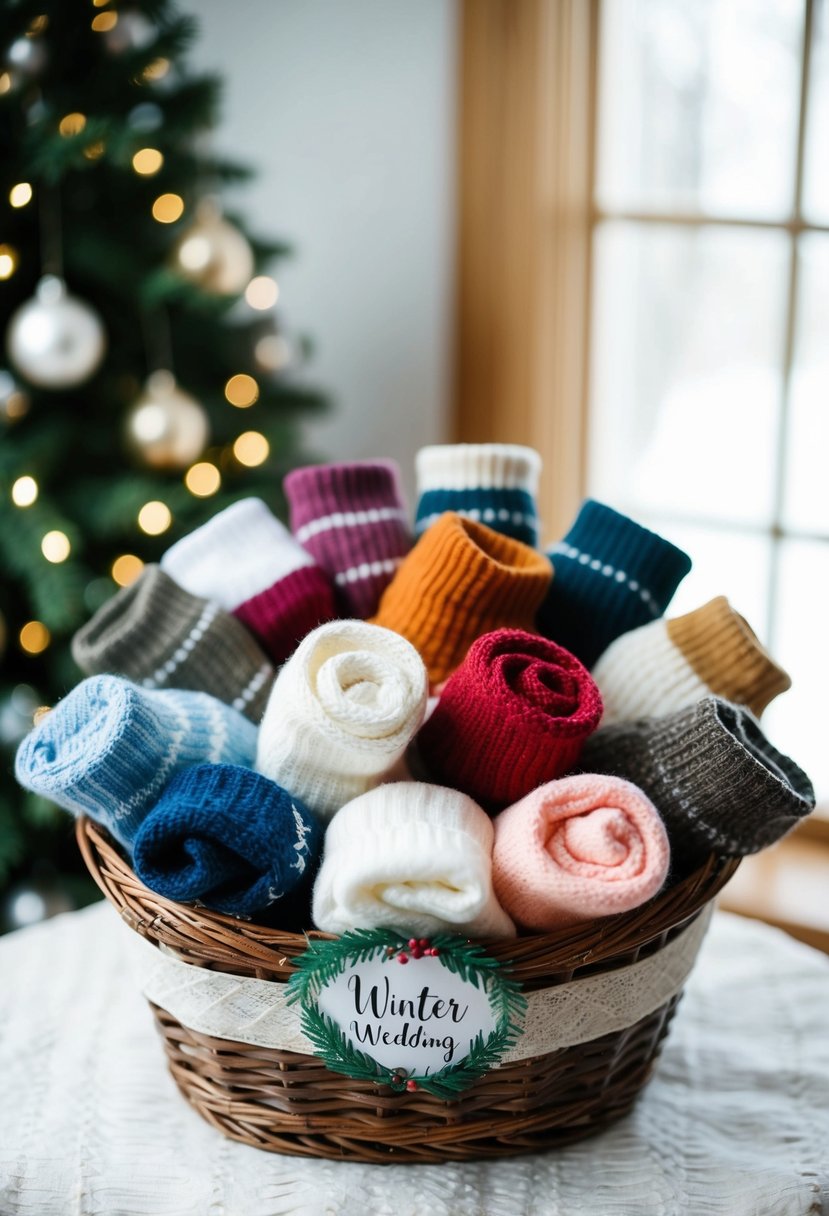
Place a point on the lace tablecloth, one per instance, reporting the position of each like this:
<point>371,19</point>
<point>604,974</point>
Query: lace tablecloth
<point>735,1122</point>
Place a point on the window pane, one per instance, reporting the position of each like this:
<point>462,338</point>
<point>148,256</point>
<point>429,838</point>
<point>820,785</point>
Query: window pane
<point>698,105</point>
<point>686,368</point>
<point>796,722</point>
<point>735,564</point>
<point>807,502</point>
<point>816,167</point>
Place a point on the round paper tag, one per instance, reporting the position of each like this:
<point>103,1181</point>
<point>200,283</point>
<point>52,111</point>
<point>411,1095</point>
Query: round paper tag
<point>430,1015</point>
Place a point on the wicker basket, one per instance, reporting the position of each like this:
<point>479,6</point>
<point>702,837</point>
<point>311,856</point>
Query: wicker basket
<point>290,1103</point>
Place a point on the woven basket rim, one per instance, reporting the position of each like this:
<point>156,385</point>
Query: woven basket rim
<point>211,938</point>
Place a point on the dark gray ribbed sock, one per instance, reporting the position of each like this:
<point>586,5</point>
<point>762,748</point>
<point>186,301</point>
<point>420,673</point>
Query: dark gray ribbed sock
<point>160,636</point>
<point>715,779</point>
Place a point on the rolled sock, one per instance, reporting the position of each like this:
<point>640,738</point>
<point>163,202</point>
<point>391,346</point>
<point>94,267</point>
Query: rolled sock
<point>460,581</point>
<point>108,748</point>
<point>493,483</point>
<point>156,633</point>
<point>341,714</point>
<point>612,575</point>
<point>231,839</point>
<point>515,714</point>
<point>411,857</point>
<point>718,783</point>
<point>236,555</point>
<point>666,665</point>
<point>578,849</point>
<point>352,519</point>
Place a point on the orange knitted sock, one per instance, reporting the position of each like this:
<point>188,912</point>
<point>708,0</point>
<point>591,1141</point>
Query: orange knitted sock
<point>462,580</point>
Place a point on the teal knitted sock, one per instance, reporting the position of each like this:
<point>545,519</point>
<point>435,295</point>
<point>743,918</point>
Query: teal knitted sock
<point>109,748</point>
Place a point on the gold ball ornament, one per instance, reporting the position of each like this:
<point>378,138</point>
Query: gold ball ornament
<point>55,340</point>
<point>214,254</point>
<point>166,428</point>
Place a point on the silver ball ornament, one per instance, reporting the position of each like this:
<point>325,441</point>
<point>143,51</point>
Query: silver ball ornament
<point>166,428</point>
<point>214,254</point>
<point>55,340</point>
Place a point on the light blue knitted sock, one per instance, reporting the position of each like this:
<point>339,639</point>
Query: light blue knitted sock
<point>109,748</point>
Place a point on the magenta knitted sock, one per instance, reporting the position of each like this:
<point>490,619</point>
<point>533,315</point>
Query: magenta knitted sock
<point>352,520</point>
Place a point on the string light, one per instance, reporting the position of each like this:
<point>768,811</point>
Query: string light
<point>104,22</point>
<point>5,82</point>
<point>21,194</point>
<point>37,26</point>
<point>203,479</point>
<point>34,637</point>
<point>251,449</point>
<point>8,261</point>
<point>55,547</point>
<point>168,208</point>
<point>126,569</point>
<point>273,352</point>
<point>147,161</point>
<point>262,292</point>
<point>95,151</point>
<point>242,390</point>
<point>72,124</point>
<point>24,491</point>
<point>99,3</point>
<point>154,518</point>
<point>156,70</point>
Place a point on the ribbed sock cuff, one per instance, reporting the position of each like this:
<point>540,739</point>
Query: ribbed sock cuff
<point>285,613</point>
<point>460,581</point>
<point>612,575</point>
<point>483,466</point>
<point>510,512</point>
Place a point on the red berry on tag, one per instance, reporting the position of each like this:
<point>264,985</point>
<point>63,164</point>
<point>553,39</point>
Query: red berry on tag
<point>397,1079</point>
<point>423,943</point>
<point>412,943</point>
<point>402,958</point>
<point>434,952</point>
<point>411,1086</point>
<point>417,952</point>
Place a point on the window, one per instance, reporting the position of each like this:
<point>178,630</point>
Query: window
<point>709,364</point>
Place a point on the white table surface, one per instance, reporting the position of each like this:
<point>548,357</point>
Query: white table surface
<point>735,1122</point>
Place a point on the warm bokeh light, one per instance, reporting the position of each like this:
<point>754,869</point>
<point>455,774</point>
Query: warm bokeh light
<point>37,25</point>
<point>251,449</point>
<point>242,390</point>
<point>55,547</point>
<point>203,479</point>
<point>99,3</point>
<point>126,569</point>
<point>104,22</point>
<point>34,637</point>
<point>273,352</point>
<point>8,261</point>
<point>262,292</point>
<point>147,161</point>
<point>21,194</point>
<point>156,70</point>
<point>168,208</point>
<point>5,82</point>
<point>24,491</point>
<point>72,124</point>
<point>40,713</point>
<point>154,518</point>
<point>95,151</point>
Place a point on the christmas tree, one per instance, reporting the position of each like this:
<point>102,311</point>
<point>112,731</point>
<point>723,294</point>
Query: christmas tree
<point>146,383</point>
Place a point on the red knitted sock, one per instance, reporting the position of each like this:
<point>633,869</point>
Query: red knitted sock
<point>514,715</point>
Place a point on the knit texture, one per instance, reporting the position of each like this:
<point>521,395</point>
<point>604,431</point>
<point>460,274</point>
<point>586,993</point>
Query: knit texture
<point>718,782</point>
<point>411,857</point>
<point>352,519</point>
<point>286,612</point>
<point>341,714</point>
<point>612,575</point>
<point>578,849</point>
<point>460,581</point>
<point>493,483</point>
<point>514,715</point>
<point>108,748</point>
<point>666,665</point>
<point>159,635</point>
<point>235,555</point>
<point>231,839</point>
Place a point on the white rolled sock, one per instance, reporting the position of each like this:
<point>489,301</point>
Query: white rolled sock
<point>236,555</point>
<point>341,713</point>
<point>412,857</point>
<point>484,466</point>
<point>643,675</point>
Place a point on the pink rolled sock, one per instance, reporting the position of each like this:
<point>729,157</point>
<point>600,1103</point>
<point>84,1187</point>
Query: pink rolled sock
<point>578,849</point>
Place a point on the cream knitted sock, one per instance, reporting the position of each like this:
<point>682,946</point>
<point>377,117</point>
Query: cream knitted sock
<point>341,713</point>
<point>411,857</point>
<point>668,664</point>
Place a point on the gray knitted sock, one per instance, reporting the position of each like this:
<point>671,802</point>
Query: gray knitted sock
<point>160,636</point>
<point>715,779</point>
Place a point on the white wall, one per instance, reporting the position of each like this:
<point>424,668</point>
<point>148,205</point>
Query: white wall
<point>346,109</point>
